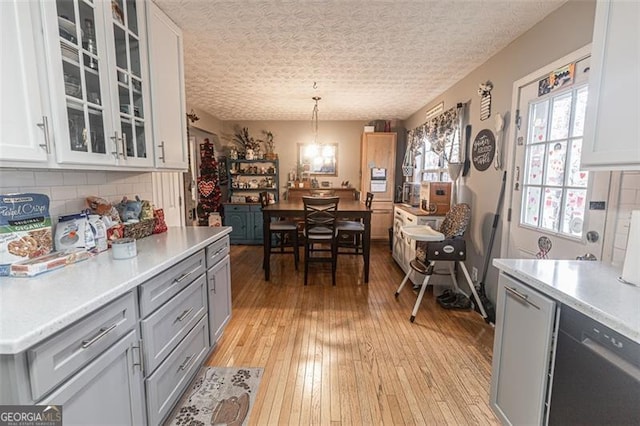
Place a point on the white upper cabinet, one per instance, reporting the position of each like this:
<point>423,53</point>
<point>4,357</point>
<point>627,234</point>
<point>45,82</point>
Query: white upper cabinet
<point>98,82</point>
<point>167,90</point>
<point>23,125</point>
<point>612,139</point>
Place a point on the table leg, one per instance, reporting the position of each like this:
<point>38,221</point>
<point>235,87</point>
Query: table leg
<point>266,233</point>
<point>366,245</point>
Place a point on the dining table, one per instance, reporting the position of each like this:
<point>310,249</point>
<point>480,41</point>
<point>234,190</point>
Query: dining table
<point>347,209</point>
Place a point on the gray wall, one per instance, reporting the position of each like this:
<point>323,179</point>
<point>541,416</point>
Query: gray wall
<point>560,33</point>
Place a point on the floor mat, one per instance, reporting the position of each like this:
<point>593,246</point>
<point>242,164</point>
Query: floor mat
<point>218,396</point>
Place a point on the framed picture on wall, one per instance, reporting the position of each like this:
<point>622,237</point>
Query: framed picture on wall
<point>319,159</point>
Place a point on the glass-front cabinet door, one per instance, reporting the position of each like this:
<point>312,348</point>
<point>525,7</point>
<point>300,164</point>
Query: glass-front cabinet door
<point>131,111</point>
<point>97,82</point>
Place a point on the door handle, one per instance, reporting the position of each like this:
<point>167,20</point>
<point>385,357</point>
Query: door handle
<point>103,332</point>
<point>162,157</point>
<point>523,297</point>
<point>47,138</point>
<point>184,314</point>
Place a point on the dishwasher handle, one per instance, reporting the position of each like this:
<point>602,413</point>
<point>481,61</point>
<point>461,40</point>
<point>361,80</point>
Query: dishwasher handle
<point>613,358</point>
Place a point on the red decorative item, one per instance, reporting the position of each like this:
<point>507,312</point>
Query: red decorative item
<point>161,225</point>
<point>205,187</point>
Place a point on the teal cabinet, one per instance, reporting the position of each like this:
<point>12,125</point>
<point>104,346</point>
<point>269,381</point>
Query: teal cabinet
<point>245,221</point>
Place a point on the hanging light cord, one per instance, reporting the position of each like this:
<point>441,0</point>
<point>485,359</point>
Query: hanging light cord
<point>314,119</point>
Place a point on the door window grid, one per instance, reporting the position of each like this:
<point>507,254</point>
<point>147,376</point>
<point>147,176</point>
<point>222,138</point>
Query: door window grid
<point>555,189</point>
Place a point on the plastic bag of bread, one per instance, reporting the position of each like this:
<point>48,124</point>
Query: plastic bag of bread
<point>102,207</point>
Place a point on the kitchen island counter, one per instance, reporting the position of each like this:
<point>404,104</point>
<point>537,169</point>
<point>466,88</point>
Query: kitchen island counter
<point>591,288</point>
<point>32,309</point>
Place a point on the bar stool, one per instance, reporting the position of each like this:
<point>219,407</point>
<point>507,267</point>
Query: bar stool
<point>350,232</point>
<point>320,230</point>
<point>285,233</point>
<point>446,245</point>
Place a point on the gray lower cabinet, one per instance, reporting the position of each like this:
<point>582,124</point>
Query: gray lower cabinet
<point>128,362</point>
<point>219,291</point>
<point>218,287</point>
<point>92,368</point>
<point>108,391</point>
<point>166,384</point>
<point>525,328</point>
<point>162,330</point>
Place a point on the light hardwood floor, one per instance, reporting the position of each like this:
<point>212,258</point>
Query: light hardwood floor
<point>348,355</point>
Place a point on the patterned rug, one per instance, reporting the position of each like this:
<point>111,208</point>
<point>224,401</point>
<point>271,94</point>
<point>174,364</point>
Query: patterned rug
<point>218,396</point>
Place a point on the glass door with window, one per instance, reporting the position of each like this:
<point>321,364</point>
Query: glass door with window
<point>550,215</point>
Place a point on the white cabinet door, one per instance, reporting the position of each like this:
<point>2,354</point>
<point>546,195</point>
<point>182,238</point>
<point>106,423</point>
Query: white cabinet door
<point>108,391</point>
<point>219,283</point>
<point>167,91</point>
<point>97,67</point>
<point>22,113</point>
<point>525,326</point>
<point>612,139</point>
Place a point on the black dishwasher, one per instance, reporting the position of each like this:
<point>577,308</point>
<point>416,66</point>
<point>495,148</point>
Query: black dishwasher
<point>596,379</point>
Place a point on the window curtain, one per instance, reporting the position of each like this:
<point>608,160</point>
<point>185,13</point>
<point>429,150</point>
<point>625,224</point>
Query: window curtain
<point>440,133</point>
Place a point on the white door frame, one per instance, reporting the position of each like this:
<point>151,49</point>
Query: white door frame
<point>513,131</point>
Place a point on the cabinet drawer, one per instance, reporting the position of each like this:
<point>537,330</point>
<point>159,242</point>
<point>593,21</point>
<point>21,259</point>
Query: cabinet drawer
<point>163,329</point>
<point>217,251</point>
<point>167,383</point>
<point>165,285</point>
<point>57,358</point>
<point>228,208</point>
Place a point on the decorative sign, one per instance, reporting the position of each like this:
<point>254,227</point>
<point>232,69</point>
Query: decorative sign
<point>435,111</point>
<point>557,79</point>
<point>484,91</point>
<point>483,149</point>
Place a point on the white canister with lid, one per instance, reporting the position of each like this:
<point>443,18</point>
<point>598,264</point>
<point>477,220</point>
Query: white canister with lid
<point>123,248</point>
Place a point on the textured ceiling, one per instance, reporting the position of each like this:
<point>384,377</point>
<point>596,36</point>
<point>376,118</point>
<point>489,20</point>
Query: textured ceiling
<point>258,60</point>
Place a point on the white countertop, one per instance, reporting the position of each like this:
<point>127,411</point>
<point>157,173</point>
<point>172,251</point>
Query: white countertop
<point>32,309</point>
<point>591,288</point>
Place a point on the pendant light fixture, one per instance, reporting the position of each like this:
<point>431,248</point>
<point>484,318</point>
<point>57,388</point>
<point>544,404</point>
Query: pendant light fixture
<point>314,119</point>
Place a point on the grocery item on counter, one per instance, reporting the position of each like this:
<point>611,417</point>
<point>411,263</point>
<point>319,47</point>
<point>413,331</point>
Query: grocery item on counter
<point>160,225</point>
<point>102,207</point>
<point>129,209</point>
<point>147,209</point>
<point>48,262</point>
<point>25,228</point>
<point>99,232</point>
<point>74,231</point>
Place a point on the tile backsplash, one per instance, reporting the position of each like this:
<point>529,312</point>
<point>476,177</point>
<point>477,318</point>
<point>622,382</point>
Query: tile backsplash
<point>629,200</point>
<point>68,189</point>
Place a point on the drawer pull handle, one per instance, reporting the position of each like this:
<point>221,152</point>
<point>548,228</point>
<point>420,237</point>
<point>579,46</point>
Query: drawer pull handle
<point>219,251</point>
<point>187,361</point>
<point>103,332</point>
<point>183,276</point>
<point>184,314</point>
<point>521,296</point>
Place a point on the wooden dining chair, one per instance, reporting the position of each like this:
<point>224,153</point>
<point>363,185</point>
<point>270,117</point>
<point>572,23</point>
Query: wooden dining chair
<point>283,235</point>
<point>320,232</point>
<point>351,232</point>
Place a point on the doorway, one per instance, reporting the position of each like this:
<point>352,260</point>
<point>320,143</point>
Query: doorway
<point>554,210</point>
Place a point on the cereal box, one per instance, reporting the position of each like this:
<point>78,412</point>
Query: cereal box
<point>25,228</point>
